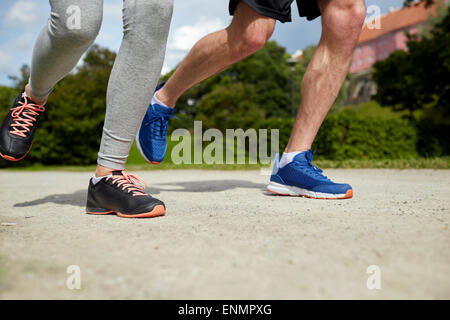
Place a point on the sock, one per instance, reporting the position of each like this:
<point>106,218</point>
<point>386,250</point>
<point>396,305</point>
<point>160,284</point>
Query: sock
<point>155,100</point>
<point>95,179</point>
<point>29,97</point>
<point>288,157</point>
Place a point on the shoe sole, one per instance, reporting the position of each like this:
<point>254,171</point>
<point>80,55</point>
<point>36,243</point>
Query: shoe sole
<point>12,159</point>
<point>140,149</point>
<point>284,190</point>
<point>157,211</point>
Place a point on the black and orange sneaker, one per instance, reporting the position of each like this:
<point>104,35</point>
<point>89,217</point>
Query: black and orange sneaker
<point>18,128</point>
<point>122,194</point>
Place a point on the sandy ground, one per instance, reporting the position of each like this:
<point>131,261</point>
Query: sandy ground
<point>224,238</point>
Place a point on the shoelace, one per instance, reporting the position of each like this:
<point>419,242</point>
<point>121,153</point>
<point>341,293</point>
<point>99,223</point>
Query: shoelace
<point>24,116</point>
<point>129,182</point>
<point>160,123</point>
<point>310,168</point>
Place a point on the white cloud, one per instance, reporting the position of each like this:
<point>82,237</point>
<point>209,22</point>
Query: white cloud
<point>113,10</point>
<point>165,69</point>
<point>11,49</point>
<point>186,36</point>
<point>24,13</point>
<point>5,62</point>
<point>24,43</point>
<point>183,38</point>
<point>172,59</point>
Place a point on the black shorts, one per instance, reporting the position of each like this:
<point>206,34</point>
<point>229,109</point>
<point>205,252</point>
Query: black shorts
<point>280,9</point>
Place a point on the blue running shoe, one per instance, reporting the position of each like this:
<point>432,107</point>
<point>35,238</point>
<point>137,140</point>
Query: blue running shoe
<point>302,178</point>
<point>151,138</point>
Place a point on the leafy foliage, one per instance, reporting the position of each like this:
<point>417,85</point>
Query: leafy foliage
<point>265,73</point>
<point>348,135</point>
<point>420,77</point>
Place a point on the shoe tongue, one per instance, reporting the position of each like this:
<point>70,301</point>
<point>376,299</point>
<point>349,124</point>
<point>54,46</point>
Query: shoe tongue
<point>163,109</point>
<point>117,173</point>
<point>303,156</point>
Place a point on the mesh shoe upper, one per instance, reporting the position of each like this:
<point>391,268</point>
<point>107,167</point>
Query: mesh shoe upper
<point>152,135</point>
<point>303,174</point>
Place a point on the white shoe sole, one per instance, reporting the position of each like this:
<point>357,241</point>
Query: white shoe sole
<point>285,190</point>
<point>139,146</point>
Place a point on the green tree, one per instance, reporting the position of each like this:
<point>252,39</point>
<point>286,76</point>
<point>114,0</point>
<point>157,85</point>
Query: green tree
<point>420,77</point>
<point>231,105</point>
<point>265,73</point>
<point>7,96</point>
<point>22,79</point>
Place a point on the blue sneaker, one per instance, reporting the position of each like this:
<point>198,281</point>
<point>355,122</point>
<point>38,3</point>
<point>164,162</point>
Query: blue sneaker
<point>302,178</point>
<point>151,138</point>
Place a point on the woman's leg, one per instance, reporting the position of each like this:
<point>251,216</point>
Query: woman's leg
<point>133,79</point>
<point>72,27</point>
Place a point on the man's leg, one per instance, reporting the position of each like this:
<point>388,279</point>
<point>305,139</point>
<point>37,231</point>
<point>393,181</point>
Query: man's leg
<point>341,25</point>
<point>247,33</point>
<point>295,174</point>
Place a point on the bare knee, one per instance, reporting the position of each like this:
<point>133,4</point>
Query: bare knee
<point>343,20</point>
<point>247,39</point>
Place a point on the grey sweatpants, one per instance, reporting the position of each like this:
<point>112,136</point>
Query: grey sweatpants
<point>72,28</point>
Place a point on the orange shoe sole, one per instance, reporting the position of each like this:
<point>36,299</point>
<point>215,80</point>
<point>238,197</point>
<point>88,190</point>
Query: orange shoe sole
<point>157,211</point>
<point>9,158</point>
<point>348,195</point>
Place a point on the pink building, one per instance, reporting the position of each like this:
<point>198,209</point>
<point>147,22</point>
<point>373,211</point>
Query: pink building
<point>378,44</point>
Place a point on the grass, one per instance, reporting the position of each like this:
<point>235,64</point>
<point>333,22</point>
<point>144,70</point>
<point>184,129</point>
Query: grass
<point>414,163</point>
<point>137,163</point>
<point>420,163</point>
<point>435,163</point>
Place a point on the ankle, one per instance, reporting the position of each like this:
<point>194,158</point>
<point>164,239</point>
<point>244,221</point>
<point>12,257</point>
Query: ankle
<point>102,171</point>
<point>29,95</point>
<point>296,149</point>
<point>165,99</point>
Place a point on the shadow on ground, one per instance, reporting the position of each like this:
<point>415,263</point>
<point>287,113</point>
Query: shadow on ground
<point>78,198</point>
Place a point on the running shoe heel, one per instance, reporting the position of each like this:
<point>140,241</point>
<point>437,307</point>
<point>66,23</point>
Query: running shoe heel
<point>93,208</point>
<point>90,210</point>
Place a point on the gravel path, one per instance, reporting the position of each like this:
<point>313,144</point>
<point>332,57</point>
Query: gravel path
<point>224,238</point>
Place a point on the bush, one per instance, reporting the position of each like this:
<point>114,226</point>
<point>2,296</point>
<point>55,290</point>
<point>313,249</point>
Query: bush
<point>347,135</point>
<point>433,138</point>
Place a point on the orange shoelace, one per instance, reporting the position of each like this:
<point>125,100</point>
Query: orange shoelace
<point>24,117</point>
<point>129,182</point>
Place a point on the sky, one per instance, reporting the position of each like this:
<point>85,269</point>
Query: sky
<point>22,20</point>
